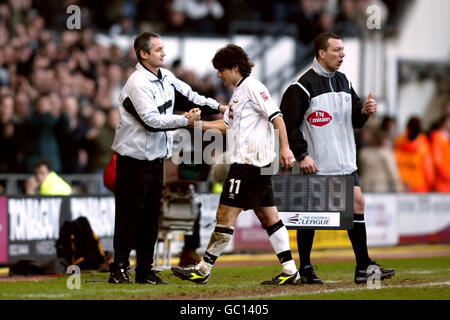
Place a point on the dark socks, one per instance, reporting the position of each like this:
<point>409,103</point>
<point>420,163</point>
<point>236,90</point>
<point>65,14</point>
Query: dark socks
<point>305,239</point>
<point>357,235</point>
<point>358,238</point>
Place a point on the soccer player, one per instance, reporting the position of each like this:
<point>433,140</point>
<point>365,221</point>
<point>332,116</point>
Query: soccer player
<point>251,118</point>
<point>321,110</point>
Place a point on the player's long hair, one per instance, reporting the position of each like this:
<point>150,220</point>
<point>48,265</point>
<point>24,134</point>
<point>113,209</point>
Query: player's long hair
<point>231,55</point>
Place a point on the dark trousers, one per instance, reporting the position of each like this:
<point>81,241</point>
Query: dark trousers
<point>138,194</point>
<point>193,241</point>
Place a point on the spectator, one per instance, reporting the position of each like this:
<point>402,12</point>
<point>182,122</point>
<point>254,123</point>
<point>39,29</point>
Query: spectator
<point>103,97</point>
<point>22,106</point>
<point>71,143</point>
<point>152,14</point>
<point>438,122</point>
<point>379,171</point>
<point>364,136</point>
<point>324,22</point>
<point>176,20</point>
<point>48,182</point>
<point>26,57</point>
<point>101,139</point>
<point>4,72</point>
<point>204,15</point>
<point>414,159</point>
<point>125,26</point>
<point>115,83</point>
<point>41,130</point>
<point>11,138</point>
<point>440,146</point>
<point>283,10</point>
<point>307,20</point>
<point>308,27</point>
<point>346,20</point>
<point>388,126</point>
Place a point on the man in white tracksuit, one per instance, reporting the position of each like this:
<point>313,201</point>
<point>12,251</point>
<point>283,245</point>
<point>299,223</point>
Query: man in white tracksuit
<point>142,141</point>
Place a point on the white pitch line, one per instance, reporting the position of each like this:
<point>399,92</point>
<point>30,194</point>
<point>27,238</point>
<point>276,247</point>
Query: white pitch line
<point>68,294</point>
<point>37,296</point>
<point>128,291</point>
<point>424,271</point>
<point>422,285</point>
<point>332,281</point>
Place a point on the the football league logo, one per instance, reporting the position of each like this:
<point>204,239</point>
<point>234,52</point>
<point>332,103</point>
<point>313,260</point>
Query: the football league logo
<point>294,219</point>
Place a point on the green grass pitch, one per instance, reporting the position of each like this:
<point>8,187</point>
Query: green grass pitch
<point>416,279</point>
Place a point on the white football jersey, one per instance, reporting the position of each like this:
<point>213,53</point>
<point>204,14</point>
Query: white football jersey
<point>250,132</point>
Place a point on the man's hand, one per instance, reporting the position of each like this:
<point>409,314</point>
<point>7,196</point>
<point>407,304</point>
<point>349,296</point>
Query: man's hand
<point>223,108</point>
<point>193,115</point>
<point>308,165</point>
<point>287,158</point>
<point>370,105</point>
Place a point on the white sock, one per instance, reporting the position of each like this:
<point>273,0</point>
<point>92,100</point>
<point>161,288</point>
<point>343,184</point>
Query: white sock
<point>289,267</point>
<point>219,240</point>
<point>279,239</point>
<point>204,268</point>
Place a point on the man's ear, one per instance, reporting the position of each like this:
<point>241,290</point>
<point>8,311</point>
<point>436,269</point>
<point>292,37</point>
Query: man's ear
<point>235,68</point>
<point>143,54</point>
<point>322,54</point>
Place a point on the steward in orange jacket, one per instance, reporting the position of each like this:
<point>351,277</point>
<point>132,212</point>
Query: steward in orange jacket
<point>414,158</point>
<point>440,147</point>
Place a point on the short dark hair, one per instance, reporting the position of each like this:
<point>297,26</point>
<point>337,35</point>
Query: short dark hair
<point>142,43</point>
<point>231,55</point>
<point>43,162</point>
<point>321,41</point>
<point>414,128</point>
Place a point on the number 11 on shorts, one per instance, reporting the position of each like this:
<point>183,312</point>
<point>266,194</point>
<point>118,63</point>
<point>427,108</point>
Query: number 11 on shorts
<point>235,182</point>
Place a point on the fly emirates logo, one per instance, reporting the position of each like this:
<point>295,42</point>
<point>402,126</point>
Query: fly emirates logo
<point>319,118</point>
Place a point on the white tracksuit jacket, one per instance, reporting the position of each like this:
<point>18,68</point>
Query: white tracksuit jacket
<point>146,113</point>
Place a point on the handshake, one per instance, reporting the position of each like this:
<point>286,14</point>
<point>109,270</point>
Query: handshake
<point>192,116</point>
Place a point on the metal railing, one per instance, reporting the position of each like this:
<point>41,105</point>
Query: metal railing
<point>14,184</point>
<point>266,37</point>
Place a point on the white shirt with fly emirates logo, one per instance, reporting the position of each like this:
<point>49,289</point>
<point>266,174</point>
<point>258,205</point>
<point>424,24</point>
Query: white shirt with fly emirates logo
<point>250,132</point>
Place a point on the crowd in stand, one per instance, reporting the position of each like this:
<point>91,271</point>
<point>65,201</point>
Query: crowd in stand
<point>59,93</point>
<point>59,88</point>
<point>216,16</point>
<point>414,160</point>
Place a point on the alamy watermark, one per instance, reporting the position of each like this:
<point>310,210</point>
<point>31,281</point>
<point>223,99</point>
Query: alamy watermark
<point>190,148</point>
<point>73,22</point>
<point>74,281</point>
<point>374,17</point>
<point>374,280</point>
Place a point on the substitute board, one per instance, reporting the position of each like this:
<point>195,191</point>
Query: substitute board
<point>314,201</point>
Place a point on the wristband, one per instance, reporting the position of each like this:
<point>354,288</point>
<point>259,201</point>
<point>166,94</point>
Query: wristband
<point>303,156</point>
